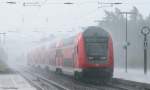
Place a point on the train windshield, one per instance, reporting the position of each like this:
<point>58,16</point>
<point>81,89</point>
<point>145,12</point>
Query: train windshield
<point>96,46</point>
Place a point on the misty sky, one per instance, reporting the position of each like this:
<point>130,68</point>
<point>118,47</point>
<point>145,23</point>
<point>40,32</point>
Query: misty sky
<point>51,17</point>
<point>55,15</point>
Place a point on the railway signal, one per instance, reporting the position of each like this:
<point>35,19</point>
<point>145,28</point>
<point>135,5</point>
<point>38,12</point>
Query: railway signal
<point>145,31</point>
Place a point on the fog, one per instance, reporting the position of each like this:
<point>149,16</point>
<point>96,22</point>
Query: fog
<point>116,24</point>
<point>27,27</point>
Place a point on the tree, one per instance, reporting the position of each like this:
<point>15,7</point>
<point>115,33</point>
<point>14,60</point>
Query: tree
<point>136,15</point>
<point>114,22</point>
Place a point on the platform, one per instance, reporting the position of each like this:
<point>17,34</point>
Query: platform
<point>14,82</point>
<point>132,75</point>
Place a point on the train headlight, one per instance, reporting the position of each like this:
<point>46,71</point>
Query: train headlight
<point>103,58</point>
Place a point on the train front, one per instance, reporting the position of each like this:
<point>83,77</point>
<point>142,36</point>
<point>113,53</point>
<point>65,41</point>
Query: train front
<point>95,54</point>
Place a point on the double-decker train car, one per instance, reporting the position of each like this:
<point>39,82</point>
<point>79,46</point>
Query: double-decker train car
<point>88,54</point>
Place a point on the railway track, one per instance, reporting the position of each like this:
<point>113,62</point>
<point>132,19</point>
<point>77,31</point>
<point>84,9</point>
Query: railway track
<point>40,82</point>
<point>68,83</point>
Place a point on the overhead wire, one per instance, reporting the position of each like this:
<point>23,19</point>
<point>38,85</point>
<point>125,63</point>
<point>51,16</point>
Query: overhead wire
<point>45,2</point>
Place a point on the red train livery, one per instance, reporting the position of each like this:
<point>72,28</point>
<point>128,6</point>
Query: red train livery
<point>88,54</point>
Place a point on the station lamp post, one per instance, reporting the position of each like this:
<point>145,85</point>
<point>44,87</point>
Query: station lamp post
<point>126,44</point>
<point>145,31</point>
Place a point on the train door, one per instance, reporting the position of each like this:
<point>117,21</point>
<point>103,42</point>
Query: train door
<point>59,59</point>
<point>75,56</point>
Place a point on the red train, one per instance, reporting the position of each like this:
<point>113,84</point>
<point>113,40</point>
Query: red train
<point>88,54</point>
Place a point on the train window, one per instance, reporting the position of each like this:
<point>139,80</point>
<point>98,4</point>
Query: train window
<point>96,39</point>
<point>69,41</point>
<point>96,46</point>
<point>93,49</point>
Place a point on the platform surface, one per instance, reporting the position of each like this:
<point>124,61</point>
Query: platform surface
<point>132,75</point>
<point>14,82</point>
